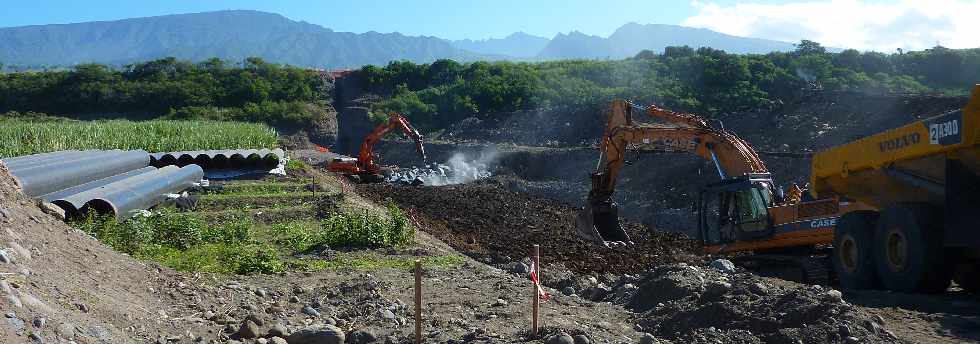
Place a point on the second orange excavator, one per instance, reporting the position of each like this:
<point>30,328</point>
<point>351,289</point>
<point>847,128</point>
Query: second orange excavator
<point>364,168</point>
<point>743,212</point>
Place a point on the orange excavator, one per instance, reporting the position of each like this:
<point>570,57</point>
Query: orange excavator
<point>743,212</point>
<point>364,168</point>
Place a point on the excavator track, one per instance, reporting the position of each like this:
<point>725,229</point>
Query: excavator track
<point>809,269</point>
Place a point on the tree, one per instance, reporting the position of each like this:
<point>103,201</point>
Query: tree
<point>808,47</point>
<point>645,54</point>
<point>678,52</point>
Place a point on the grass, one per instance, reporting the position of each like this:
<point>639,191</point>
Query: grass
<point>186,242</point>
<point>25,136</point>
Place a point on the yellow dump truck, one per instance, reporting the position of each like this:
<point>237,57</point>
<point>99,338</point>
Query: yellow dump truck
<point>924,179</point>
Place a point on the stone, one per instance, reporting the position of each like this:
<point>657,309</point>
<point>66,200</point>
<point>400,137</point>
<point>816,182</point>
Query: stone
<point>872,326</point>
<point>82,307</point>
<point>759,288</point>
<point>248,330</point>
<point>39,322</point>
<point>209,315</point>
<point>310,311</point>
<point>51,209</point>
<point>327,334</point>
<point>262,341</point>
<point>519,268</point>
<point>66,330</point>
<point>278,340</point>
<point>598,292</point>
<point>256,319</point>
<point>5,257</point>
<point>851,340</point>
<point>723,265</point>
<point>582,339</point>
<point>34,337</point>
<point>561,338</point>
<point>717,288</point>
<point>294,299</point>
<point>647,338</point>
<point>844,330</point>
<point>362,336</point>
<point>387,314</point>
<point>568,291</point>
<point>833,296</point>
<point>499,303</point>
<point>278,330</point>
<point>16,323</point>
<point>260,292</point>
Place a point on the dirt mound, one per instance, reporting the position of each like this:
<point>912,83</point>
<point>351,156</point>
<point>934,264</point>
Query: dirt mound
<point>692,304</point>
<point>486,221</point>
<point>59,284</point>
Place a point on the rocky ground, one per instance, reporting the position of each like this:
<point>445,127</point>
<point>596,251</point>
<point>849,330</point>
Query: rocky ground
<point>59,285</point>
<point>62,286</point>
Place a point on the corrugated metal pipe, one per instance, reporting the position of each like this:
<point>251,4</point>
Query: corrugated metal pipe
<point>122,198</point>
<point>44,175</point>
<point>219,159</point>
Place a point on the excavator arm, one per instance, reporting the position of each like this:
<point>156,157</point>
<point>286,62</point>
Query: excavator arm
<point>689,133</point>
<point>365,164</point>
<point>395,121</point>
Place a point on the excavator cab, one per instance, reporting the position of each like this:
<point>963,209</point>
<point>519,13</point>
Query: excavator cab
<point>735,209</point>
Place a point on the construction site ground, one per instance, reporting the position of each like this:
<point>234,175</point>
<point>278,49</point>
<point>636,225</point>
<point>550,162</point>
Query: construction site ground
<point>60,285</point>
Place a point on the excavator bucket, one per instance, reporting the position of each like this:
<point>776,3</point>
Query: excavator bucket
<point>599,223</point>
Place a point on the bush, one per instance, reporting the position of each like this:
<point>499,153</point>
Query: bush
<point>186,243</point>
<point>368,230</point>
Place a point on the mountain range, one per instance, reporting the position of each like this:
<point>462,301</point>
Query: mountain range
<point>235,35</point>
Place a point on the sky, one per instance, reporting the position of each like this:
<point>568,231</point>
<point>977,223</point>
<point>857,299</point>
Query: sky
<point>862,24</point>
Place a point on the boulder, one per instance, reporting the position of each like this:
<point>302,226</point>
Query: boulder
<point>723,265</point>
<point>327,334</point>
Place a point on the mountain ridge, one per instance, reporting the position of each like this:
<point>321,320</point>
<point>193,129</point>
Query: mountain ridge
<point>236,34</point>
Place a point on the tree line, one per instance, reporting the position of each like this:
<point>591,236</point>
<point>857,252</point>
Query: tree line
<point>436,95</point>
<point>213,89</point>
<point>704,80</point>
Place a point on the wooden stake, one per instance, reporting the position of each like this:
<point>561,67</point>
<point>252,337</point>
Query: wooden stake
<point>534,292</point>
<point>418,301</point>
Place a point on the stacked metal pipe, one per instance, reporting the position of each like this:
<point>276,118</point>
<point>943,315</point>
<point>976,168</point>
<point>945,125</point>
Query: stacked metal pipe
<point>113,182</point>
<point>219,159</point>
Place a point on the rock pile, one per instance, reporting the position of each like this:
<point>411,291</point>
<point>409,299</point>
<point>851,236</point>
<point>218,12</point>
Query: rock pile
<point>691,304</point>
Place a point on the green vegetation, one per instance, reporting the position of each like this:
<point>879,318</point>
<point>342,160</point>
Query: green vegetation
<point>28,136</point>
<point>186,242</point>
<point>704,80</point>
<point>344,230</point>
<point>256,91</point>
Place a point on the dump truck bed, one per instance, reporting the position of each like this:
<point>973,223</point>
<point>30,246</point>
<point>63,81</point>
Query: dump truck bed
<point>905,164</point>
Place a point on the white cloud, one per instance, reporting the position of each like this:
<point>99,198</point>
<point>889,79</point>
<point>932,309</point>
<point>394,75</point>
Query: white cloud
<point>863,25</point>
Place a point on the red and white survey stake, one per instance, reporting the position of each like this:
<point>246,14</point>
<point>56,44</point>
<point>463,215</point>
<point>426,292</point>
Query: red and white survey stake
<point>537,283</point>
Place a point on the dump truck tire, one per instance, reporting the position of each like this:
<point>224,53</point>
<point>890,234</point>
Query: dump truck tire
<point>909,249</point>
<point>853,255</point>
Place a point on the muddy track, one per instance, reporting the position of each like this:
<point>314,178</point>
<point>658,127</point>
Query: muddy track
<point>490,223</point>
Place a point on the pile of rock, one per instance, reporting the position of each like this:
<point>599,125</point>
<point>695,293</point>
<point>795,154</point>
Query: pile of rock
<point>694,304</point>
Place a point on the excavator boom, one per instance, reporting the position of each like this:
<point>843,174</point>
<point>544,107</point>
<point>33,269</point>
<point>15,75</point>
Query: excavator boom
<point>689,133</point>
<point>365,164</point>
